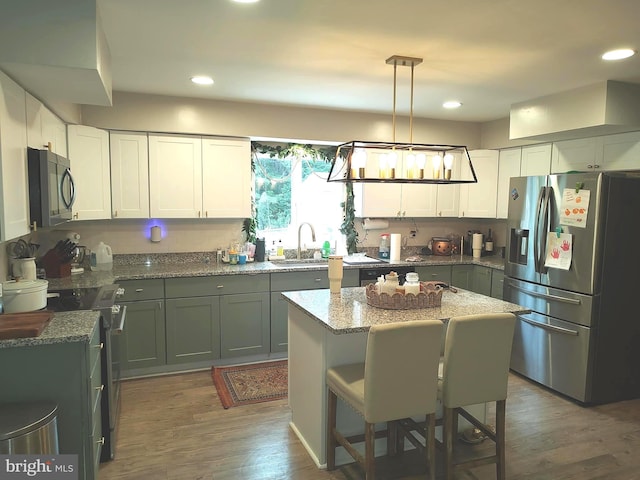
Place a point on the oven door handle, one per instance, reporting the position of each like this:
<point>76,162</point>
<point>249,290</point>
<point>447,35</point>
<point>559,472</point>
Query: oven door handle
<point>123,313</point>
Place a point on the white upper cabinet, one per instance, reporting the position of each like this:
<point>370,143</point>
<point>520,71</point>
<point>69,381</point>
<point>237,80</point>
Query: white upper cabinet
<point>478,200</point>
<point>393,200</point>
<point>448,198</point>
<point>226,178</point>
<point>44,128</point>
<point>536,160</point>
<point>608,152</point>
<point>580,155</point>
<point>14,211</point>
<point>89,157</point>
<point>175,176</point>
<point>508,166</point>
<point>621,151</point>
<point>129,175</point>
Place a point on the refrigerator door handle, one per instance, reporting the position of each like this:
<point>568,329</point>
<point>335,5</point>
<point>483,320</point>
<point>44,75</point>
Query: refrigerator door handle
<point>547,227</point>
<point>556,298</point>
<point>551,328</point>
<point>536,231</point>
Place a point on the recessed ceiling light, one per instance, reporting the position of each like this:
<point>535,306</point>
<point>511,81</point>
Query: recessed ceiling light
<point>452,104</point>
<point>201,80</point>
<point>618,54</point>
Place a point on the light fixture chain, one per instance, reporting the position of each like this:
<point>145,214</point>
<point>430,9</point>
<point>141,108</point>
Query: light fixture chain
<point>411,112</point>
<point>395,85</point>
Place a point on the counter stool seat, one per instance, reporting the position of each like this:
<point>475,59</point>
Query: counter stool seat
<point>398,379</point>
<point>475,370</point>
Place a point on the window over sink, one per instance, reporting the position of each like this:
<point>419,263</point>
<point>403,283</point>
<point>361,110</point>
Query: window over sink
<point>293,189</point>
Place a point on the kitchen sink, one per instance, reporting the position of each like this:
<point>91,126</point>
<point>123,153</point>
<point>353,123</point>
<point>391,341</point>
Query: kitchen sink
<point>306,262</point>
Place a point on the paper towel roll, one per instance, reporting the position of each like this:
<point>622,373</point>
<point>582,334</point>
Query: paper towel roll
<point>396,245</point>
<point>374,224</point>
<point>477,241</point>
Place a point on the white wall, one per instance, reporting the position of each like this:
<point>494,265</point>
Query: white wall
<point>155,113</point>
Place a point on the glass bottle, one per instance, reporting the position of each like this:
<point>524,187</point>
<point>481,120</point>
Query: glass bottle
<point>412,284</point>
<point>488,243</point>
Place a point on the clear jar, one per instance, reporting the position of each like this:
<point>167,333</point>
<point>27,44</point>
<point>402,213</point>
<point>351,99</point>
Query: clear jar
<point>390,283</point>
<point>412,283</point>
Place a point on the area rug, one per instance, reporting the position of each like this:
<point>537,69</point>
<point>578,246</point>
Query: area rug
<point>251,383</point>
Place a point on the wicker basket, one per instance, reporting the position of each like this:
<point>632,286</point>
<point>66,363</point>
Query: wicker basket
<point>430,296</point>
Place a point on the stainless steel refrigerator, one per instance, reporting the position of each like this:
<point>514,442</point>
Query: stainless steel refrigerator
<point>582,338</point>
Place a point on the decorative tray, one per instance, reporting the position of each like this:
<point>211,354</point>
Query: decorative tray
<point>430,296</point>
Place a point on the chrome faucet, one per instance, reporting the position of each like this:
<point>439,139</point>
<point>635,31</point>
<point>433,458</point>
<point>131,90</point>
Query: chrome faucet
<point>313,235</point>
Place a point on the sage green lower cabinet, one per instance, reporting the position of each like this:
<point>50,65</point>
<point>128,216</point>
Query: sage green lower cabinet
<point>193,329</point>
<point>244,324</point>
<point>481,280</point>
<point>462,276</point>
<point>477,278</point>
<point>435,273</point>
<point>142,343</point>
<point>219,316</point>
<point>69,374</point>
<point>294,281</point>
<point>497,283</point>
<point>143,340</point>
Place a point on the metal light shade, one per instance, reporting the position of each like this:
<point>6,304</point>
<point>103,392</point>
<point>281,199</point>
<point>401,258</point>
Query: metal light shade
<point>356,162</point>
<point>384,162</point>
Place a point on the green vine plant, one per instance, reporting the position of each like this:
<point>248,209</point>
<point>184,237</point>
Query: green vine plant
<point>326,154</point>
<point>348,227</point>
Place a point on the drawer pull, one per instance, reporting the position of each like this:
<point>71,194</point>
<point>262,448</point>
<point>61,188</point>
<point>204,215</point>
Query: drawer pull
<point>219,286</point>
<point>139,290</point>
<point>317,280</point>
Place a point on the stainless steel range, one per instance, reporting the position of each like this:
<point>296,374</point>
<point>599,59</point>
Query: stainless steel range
<point>112,320</point>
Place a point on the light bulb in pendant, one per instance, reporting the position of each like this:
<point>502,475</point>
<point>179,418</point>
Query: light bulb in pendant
<point>393,161</point>
<point>382,166</point>
<point>448,164</point>
<point>421,160</point>
<point>436,160</point>
<point>411,165</point>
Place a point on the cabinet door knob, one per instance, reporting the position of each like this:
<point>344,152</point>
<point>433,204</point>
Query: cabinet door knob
<point>100,388</point>
<point>101,441</point>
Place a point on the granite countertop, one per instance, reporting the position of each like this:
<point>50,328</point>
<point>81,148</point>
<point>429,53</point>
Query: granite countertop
<point>136,267</point>
<point>349,312</point>
<point>64,327</point>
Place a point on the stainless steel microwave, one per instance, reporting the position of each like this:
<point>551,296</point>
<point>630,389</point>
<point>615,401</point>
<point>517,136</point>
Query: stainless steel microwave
<point>51,188</point>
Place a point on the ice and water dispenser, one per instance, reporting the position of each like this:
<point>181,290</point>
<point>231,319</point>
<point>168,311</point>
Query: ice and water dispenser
<point>519,246</point>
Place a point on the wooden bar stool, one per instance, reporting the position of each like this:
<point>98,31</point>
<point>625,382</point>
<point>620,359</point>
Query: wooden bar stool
<point>475,370</point>
<point>398,379</point>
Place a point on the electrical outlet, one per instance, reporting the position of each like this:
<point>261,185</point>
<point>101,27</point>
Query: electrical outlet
<point>413,233</point>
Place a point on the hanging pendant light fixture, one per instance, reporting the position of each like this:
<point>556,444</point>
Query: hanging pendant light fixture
<point>393,162</point>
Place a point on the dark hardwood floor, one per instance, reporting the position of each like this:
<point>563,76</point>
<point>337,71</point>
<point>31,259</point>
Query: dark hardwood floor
<point>174,428</point>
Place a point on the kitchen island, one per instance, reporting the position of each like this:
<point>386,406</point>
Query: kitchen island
<point>61,365</point>
<point>327,329</point>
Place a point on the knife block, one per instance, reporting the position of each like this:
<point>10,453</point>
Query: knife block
<point>53,267</point>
